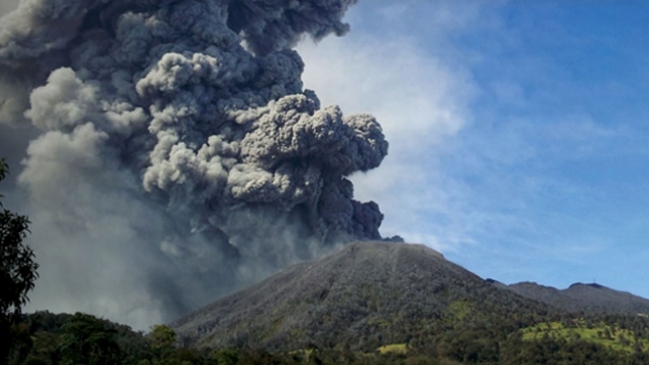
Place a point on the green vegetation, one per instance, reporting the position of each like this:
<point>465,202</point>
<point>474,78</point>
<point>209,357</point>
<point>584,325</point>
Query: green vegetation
<point>397,348</point>
<point>609,336</point>
<point>368,296</point>
<point>60,339</point>
<point>459,309</point>
<point>17,269</point>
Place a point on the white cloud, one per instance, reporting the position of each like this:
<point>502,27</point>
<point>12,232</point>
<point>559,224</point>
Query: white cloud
<point>459,174</point>
<point>414,95</point>
<point>421,100</point>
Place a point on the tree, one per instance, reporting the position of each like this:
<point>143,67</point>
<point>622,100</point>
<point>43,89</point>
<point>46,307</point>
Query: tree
<point>89,340</point>
<point>17,268</point>
<point>162,341</point>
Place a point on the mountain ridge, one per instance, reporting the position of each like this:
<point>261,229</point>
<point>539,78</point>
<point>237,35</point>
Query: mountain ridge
<point>371,294</point>
<point>368,294</point>
<point>585,297</point>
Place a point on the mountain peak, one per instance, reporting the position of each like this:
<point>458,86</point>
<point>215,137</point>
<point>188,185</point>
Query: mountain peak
<point>591,297</point>
<point>365,289</point>
<point>592,285</point>
<point>390,248</point>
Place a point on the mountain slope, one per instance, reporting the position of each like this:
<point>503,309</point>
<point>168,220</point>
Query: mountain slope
<point>593,298</point>
<point>367,295</point>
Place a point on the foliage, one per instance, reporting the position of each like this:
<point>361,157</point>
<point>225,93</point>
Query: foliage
<point>397,348</point>
<point>51,339</point>
<point>609,336</point>
<point>17,268</point>
<point>162,340</point>
<point>88,340</point>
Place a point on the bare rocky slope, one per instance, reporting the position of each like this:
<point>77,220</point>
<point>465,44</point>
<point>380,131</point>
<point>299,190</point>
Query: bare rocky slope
<point>579,297</point>
<point>366,295</point>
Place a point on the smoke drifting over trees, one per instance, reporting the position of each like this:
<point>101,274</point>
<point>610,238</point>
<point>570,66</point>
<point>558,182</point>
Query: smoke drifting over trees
<point>178,156</point>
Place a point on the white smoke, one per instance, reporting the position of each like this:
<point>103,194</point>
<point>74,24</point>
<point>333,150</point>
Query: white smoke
<point>177,144</point>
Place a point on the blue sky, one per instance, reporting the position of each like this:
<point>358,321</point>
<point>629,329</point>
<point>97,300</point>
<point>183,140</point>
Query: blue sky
<point>518,131</point>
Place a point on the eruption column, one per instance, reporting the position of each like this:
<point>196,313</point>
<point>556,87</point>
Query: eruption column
<point>188,120</point>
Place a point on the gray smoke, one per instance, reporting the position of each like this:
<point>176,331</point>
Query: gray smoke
<point>177,143</point>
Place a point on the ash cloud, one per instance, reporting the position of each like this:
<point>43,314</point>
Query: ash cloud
<point>178,156</point>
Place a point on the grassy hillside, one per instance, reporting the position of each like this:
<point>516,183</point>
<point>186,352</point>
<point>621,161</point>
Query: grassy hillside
<point>608,335</point>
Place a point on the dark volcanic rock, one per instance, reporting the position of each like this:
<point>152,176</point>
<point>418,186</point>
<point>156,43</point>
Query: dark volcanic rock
<point>367,294</point>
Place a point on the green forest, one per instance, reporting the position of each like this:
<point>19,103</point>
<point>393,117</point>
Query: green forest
<point>44,338</point>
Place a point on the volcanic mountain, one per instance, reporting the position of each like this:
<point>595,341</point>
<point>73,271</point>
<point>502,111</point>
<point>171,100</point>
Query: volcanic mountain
<point>579,297</point>
<point>367,295</point>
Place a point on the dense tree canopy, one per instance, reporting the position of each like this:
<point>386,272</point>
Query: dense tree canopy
<point>46,338</point>
<point>17,267</point>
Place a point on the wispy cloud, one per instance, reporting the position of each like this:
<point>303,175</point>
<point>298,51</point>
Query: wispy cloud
<point>503,155</point>
<point>420,99</point>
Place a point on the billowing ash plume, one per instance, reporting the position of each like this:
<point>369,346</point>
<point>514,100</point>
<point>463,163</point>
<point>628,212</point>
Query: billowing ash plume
<point>178,133</point>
